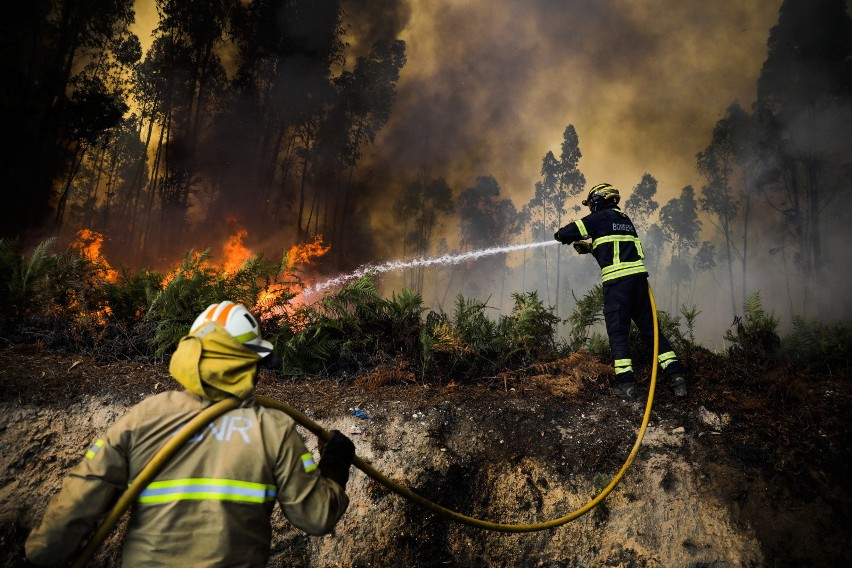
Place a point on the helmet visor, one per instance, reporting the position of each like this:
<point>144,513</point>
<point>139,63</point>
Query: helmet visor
<point>263,348</point>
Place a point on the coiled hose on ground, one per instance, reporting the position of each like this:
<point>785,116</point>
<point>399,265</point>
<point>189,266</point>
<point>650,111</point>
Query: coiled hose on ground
<point>216,410</point>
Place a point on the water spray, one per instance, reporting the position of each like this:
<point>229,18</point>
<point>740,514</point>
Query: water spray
<point>393,265</point>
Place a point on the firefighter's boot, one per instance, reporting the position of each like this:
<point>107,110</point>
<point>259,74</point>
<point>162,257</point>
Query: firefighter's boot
<point>678,384</point>
<point>626,390</point>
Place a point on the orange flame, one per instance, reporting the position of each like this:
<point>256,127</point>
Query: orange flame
<point>175,270</point>
<point>306,253</point>
<point>236,253</point>
<point>269,302</point>
<point>89,244</point>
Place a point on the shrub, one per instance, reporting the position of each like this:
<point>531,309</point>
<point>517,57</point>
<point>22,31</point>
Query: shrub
<point>195,285</point>
<point>817,346</point>
<point>19,274</point>
<point>589,312</point>
<point>58,297</point>
<point>756,332</point>
<point>530,329</point>
<point>351,329</point>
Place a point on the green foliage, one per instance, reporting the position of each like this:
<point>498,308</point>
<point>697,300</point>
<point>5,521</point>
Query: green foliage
<point>128,297</point>
<point>50,286</point>
<point>65,296</point>
<point>404,312</point>
<point>350,329</point>
<point>470,344</point>
<point>684,343</point>
<point>691,316</point>
<point>531,326</point>
<point>195,285</point>
<point>462,346</point>
<point>589,312</point>
<point>670,327</point>
<point>756,332</point>
<point>819,346</point>
<point>598,344</point>
<point>18,273</point>
<point>310,349</point>
<point>642,350</point>
<point>471,324</point>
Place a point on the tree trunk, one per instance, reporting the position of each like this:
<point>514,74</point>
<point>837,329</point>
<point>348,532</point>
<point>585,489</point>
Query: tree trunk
<point>76,161</point>
<point>744,260</point>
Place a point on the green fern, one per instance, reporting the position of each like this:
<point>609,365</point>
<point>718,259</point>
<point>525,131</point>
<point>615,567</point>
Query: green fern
<point>341,331</point>
<point>20,274</point>
<point>691,316</point>
<point>756,332</point>
<point>589,312</point>
<point>311,350</point>
<point>471,323</point>
<point>598,344</point>
<point>532,327</point>
<point>406,306</point>
<point>817,346</point>
<point>36,264</point>
<point>193,287</point>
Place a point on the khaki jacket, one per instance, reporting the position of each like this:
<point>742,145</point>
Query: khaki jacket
<point>211,503</point>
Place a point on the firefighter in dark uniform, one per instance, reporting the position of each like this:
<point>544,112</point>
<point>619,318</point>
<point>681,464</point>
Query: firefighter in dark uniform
<point>616,247</point>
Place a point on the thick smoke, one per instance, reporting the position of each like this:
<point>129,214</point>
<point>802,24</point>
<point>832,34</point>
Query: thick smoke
<point>489,88</point>
<point>369,21</point>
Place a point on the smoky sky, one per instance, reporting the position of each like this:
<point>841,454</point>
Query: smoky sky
<point>489,87</point>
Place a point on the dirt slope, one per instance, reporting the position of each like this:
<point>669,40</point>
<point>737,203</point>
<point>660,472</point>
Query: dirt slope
<point>749,470</point>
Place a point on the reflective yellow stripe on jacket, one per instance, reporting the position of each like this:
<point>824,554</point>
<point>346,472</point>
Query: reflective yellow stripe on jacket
<point>207,489</point>
<point>620,268</point>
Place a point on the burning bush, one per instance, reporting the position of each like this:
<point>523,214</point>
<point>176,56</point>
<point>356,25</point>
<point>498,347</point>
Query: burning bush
<point>74,298</point>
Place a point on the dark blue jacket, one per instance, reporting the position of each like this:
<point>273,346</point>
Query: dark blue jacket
<point>615,244</point>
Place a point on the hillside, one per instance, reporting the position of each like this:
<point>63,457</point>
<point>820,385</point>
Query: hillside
<point>750,470</point>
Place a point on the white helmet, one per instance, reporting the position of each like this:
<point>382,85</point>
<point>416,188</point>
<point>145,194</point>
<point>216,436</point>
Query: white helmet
<point>237,321</point>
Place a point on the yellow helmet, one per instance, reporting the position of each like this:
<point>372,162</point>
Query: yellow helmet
<point>600,194</point>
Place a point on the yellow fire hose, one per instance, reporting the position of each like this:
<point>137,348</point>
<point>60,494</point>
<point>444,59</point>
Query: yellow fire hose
<point>216,410</point>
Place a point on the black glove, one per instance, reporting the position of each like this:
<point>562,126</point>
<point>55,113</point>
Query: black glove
<point>583,247</point>
<point>271,361</point>
<point>337,455</point>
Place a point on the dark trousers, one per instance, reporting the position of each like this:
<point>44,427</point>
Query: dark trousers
<point>627,299</point>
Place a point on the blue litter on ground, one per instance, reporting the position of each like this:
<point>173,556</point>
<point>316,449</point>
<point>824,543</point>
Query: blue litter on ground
<point>359,413</point>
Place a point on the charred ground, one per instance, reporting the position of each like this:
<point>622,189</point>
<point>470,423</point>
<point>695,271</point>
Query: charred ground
<point>758,433</point>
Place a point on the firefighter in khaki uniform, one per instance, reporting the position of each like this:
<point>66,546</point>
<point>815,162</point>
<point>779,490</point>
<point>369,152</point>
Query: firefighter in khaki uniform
<point>616,247</point>
<point>211,504</point>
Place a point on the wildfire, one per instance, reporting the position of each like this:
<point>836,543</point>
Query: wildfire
<point>89,244</point>
<point>303,254</point>
<point>306,253</point>
<point>236,253</point>
<point>283,295</point>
